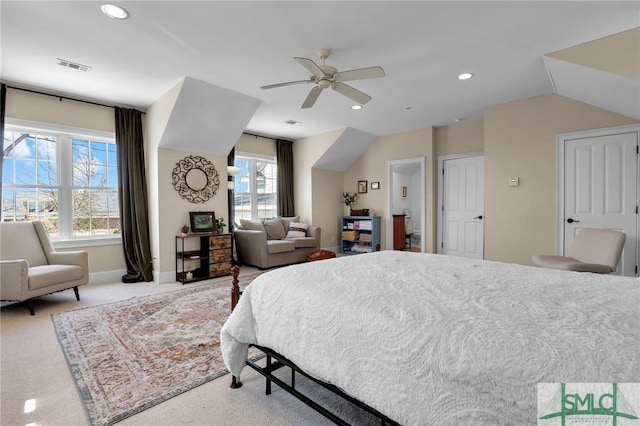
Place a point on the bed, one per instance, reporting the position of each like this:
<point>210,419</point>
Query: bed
<point>433,339</point>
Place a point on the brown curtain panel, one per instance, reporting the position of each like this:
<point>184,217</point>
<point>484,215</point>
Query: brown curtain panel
<point>132,194</point>
<point>231,158</point>
<point>3,101</point>
<point>284,152</point>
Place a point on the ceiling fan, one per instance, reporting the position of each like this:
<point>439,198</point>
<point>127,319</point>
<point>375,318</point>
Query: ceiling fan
<point>324,76</point>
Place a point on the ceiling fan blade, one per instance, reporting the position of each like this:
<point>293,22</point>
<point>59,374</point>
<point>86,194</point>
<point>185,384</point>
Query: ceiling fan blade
<point>311,66</point>
<point>289,83</point>
<point>360,74</point>
<point>312,97</point>
<point>350,92</point>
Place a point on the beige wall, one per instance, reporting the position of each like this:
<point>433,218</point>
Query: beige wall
<point>313,200</point>
<point>174,210</point>
<point>46,109</point>
<point>256,145</point>
<point>155,122</point>
<point>520,141</point>
<point>371,166</point>
<point>464,137</point>
<point>326,199</point>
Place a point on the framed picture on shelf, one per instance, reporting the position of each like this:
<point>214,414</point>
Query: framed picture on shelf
<point>202,222</point>
<point>362,187</point>
<point>375,185</point>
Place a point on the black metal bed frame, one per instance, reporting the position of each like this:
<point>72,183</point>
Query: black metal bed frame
<point>281,361</point>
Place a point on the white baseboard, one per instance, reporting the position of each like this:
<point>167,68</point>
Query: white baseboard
<point>116,275</point>
<point>106,276</point>
<point>164,277</point>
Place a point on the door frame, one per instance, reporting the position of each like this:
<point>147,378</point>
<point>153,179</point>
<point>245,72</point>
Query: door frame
<point>561,139</point>
<point>423,200</point>
<point>441,160</point>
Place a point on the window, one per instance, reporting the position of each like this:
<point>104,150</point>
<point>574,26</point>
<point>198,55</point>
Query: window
<point>66,178</point>
<point>256,187</point>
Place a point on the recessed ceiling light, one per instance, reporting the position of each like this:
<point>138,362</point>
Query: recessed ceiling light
<point>356,107</point>
<point>115,12</point>
<point>465,76</point>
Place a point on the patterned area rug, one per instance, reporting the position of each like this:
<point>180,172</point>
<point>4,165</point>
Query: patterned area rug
<point>131,355</point>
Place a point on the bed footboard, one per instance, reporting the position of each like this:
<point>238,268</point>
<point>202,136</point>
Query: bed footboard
<point>235,297</point>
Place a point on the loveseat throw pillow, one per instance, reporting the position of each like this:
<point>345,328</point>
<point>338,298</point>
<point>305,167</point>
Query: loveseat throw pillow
<point>297,230</point>
<point>275,229</point>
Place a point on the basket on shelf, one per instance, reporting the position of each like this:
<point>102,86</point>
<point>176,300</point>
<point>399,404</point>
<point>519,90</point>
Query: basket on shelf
<point>359,212</point>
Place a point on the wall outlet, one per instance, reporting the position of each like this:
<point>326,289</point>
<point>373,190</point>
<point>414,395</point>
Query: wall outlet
<point>333,238</point>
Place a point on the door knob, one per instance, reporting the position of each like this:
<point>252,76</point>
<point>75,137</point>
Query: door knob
<point>478,217</point>
<point>570,220</point>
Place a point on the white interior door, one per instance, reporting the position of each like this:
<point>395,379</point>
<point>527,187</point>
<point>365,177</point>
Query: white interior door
<point>601,189</point>
<point>463,207</point>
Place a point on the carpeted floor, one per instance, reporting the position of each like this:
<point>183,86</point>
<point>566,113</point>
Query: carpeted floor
<point>131,355</point>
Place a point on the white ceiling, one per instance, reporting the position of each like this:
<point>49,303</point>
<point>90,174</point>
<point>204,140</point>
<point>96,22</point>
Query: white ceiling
<point>240,46</point>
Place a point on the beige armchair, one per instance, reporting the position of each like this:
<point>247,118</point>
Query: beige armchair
<point>593,250</point>
<point>30,267</point>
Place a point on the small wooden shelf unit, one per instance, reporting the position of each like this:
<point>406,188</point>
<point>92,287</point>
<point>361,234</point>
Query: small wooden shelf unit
<point>208,256</point>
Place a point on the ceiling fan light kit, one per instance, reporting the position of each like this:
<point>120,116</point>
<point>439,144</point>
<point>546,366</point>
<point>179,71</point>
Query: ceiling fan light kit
<point>325,76</point>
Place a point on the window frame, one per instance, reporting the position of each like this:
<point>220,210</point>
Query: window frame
<point>253,191</point>
<point>64,162</point>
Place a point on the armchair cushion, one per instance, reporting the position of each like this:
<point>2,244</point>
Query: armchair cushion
<point>47,275</point>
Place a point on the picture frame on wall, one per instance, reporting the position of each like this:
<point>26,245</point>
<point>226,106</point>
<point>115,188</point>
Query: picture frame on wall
<point>404,192</point>
<point>362,187</point>
<point>375,185</point>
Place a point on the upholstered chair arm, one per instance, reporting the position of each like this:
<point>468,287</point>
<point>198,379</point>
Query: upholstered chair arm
<point>251,246</point>
<point>315,232</point>
<point>68,258</point>
<point>14,276</point>
<point>80,258</point>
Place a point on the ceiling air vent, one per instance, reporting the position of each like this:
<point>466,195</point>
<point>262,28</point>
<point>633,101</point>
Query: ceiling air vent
<point>73,65</point>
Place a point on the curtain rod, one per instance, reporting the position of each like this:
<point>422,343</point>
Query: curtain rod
<point>265,137</point>
<point>61,97</point>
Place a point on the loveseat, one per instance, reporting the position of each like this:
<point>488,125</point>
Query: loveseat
<point>275,242</point>
<point>30,267</point>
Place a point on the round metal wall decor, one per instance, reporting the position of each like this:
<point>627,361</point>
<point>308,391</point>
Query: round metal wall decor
<point>195,178</point>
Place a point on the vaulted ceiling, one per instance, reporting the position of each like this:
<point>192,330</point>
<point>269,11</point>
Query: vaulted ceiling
<point>220,53</point>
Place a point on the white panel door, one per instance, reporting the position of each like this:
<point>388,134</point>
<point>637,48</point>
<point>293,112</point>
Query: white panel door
<point>463,207</point>
<point>601,187</point>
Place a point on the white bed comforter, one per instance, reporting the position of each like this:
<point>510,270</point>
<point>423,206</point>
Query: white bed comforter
<point>438,340</point>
